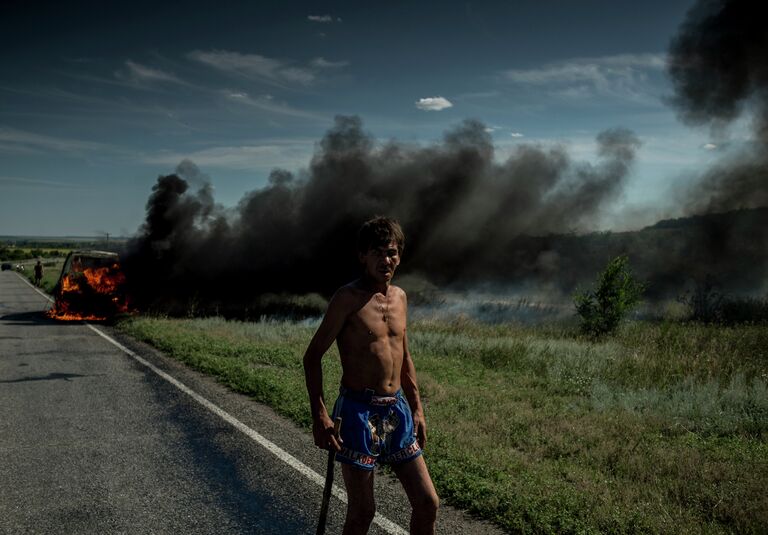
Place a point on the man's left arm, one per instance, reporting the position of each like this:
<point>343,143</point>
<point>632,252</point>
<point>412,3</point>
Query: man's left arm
<point>411,390</point>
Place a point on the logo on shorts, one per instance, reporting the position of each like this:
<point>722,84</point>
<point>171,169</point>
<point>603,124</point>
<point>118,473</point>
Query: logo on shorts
<point>357,457</point>
<point>381,431</point>
<point>405,453</point>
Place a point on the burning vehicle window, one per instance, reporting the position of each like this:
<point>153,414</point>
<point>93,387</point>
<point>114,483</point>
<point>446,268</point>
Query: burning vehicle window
<point>91,287</point>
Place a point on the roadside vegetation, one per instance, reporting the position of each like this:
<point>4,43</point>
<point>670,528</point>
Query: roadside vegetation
<point>23,255</point>
<point>661,428</point>
<point>51,273</point>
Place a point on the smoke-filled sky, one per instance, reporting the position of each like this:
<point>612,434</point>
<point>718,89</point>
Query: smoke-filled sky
<point>98,99</point>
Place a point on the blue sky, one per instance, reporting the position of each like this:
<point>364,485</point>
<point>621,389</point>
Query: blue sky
<point>97,99</point>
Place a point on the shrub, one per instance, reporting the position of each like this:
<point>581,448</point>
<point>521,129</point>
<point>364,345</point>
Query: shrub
<point>617,292</point>
<point>707,304</point>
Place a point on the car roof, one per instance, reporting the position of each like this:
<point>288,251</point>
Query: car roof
<point>94,254</point>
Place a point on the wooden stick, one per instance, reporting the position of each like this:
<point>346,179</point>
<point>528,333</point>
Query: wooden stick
<point>328,481</point>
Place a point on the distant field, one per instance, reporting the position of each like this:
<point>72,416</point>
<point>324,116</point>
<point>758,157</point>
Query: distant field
<point>662,429</point>
<point>28,248</point>
<point>28,251</point>
<point>31,254</point>
<point>28,256</point>
<point>60,241</point>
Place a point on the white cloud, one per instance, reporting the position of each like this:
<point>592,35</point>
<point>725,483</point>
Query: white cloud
<point>267,103</point>
<point>14,140</point>
<point>709,146</point>
<point>249,65</point>
<point>622,75</point>
<point>322,63</point>
<point>586,69</point>
<point>12,148</point>
<point>138,74</point>
<point>516,134</point>
<point>254,66</point>
<point>35,183</point>
<point>495,128</point>
<point>433,103</point>
<point>578,147</point>
<point>323,18</point>
<point>298,75</point>
<point>288,154</point>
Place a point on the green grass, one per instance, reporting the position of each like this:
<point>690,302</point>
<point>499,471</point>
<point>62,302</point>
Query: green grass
<point>51,273</point>
<point>660,429</point>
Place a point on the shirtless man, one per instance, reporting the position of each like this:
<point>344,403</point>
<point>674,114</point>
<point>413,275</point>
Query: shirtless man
<point>38,273</point>
<point>367,318</point>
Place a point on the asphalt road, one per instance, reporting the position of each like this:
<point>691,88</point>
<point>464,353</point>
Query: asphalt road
<point>93,439</point>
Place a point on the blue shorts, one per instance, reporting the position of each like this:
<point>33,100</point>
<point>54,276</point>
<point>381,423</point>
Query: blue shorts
<point>375,429</point>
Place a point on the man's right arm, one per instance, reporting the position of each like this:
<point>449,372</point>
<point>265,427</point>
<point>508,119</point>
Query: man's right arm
<point>330,327</point>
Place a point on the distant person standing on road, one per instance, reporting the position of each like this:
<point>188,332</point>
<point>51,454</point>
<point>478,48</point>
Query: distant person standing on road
<point>38,273</point>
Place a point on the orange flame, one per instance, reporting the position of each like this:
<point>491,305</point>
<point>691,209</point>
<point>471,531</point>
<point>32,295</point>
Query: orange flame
<point>105,282</point>
<point>68,284</point>
<point>74,317</point>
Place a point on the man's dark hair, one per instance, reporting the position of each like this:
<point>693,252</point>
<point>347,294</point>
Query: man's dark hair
<point>380,231</point>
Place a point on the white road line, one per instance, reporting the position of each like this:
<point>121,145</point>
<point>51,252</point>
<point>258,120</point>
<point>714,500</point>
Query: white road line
<point>383,522</point>
<point>380,520</point>
<point>35,288</point>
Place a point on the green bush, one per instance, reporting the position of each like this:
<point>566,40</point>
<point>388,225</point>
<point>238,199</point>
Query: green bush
<point>617,292</point>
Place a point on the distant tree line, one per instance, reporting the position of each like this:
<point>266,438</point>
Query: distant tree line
<point>30,243</point>
<point>16,253</point>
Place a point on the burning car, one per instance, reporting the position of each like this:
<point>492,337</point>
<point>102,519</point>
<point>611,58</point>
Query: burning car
<point>91,287</point>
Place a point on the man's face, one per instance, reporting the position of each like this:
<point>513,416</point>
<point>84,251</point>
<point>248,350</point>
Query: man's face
<point>380,262</point>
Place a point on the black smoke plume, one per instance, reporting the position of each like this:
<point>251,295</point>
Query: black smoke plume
<point>717,63</point>
<point>718,67</point>
<point>465,216</point>
<point>470,219</point>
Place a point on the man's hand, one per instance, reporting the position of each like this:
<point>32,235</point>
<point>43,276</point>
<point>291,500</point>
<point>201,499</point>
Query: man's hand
<point>324,434</point>
<point>420,428</point>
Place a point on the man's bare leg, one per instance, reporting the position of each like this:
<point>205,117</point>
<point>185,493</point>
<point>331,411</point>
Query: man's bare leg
<point>421,493</point>
<point>361,506</point>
